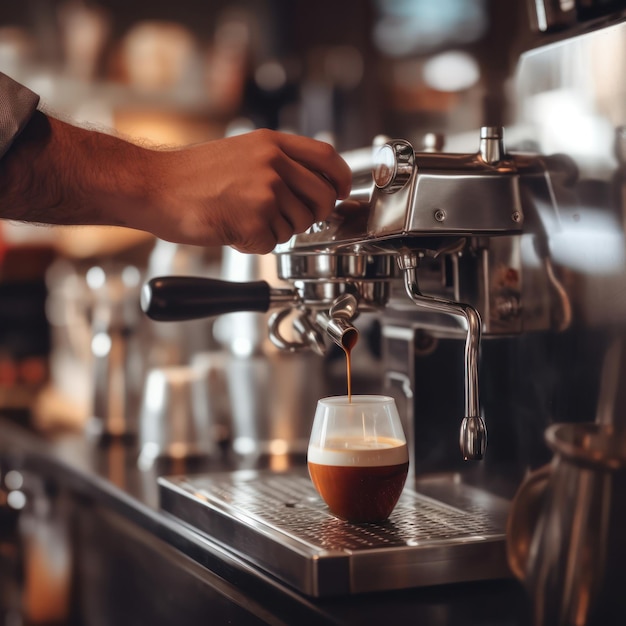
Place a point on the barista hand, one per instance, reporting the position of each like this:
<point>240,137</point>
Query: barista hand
<point>251,191</point>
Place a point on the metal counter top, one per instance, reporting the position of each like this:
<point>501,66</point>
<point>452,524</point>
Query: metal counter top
<point>109,475</point>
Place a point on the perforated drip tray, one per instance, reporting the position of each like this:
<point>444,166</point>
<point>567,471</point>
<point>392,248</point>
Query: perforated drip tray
<point>441,531</point>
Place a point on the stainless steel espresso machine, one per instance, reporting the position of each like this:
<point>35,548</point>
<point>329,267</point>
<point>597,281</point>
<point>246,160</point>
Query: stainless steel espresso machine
<point>498,276</point>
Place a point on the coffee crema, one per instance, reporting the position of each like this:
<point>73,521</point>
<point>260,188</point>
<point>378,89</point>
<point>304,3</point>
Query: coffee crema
<point>360,481</point>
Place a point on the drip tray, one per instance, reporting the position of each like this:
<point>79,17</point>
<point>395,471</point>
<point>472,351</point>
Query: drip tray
<point>441,531</point>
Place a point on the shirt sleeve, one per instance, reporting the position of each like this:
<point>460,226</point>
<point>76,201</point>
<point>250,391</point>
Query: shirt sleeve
<point>17,105</point>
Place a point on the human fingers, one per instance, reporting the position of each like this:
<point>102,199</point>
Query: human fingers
<point>312,190</point>
<point>291,215</point>
<point>266,224</point>
<point>263,241</point>
<point>320,157</point>
<point>282,229</point>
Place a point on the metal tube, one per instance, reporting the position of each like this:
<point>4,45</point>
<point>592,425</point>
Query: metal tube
<point>473,431</point>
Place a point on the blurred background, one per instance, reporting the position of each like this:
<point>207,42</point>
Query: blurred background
<point>180,72</point>
<point>171,73</point>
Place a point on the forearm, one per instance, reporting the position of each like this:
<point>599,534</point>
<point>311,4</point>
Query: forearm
<point>57,173</point>
<point>250,191</point>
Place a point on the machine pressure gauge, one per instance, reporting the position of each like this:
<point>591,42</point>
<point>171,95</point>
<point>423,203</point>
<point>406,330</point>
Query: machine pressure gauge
<point>393,165</point>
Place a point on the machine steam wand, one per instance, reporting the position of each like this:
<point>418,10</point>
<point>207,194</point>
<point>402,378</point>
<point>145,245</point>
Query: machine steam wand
<point>473,435</point>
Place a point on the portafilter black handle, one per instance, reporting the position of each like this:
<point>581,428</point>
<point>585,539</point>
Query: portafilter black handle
<point>178,298</point>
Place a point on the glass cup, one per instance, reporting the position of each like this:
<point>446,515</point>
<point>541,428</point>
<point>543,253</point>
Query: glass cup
<point>357,457</point>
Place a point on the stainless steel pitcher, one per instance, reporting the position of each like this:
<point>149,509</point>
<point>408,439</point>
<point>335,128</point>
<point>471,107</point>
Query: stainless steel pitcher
<point>566,535</point>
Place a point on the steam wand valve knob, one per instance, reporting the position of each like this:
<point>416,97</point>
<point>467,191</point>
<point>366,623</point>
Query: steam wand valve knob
<point>394,164</point>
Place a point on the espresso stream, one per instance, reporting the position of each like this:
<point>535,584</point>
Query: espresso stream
<point>347,343</point>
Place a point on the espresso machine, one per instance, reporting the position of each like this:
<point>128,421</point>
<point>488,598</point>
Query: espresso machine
<point>498,276</point>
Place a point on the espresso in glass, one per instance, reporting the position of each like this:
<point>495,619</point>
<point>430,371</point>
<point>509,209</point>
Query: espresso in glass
<point>358,457</point>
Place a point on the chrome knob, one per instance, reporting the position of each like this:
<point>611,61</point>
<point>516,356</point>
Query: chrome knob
<point>394,164</point>
<point>491,148</point>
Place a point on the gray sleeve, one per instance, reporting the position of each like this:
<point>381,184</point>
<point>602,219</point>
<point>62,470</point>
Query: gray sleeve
<point>17,105</point>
